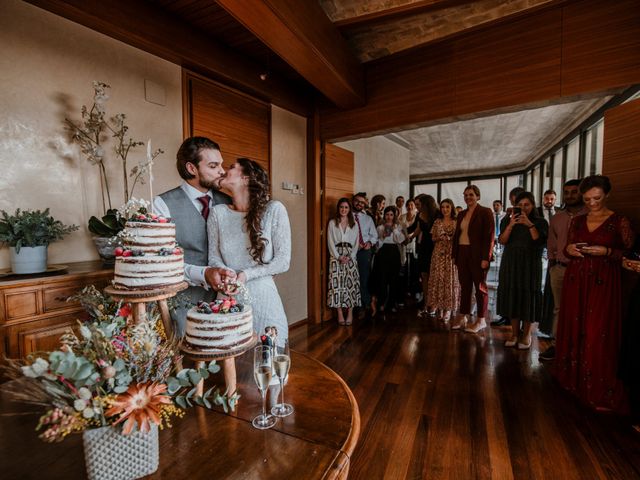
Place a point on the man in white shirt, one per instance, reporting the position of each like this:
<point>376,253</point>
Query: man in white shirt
<point>498,215</point>
<point>400,205</point>
<point>199,163</point>
<point>367,238</point>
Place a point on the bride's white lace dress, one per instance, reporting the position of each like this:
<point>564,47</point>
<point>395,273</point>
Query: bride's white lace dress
<point>229,247</point>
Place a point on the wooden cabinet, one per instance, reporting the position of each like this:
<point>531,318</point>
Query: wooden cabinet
<point>34,312</point>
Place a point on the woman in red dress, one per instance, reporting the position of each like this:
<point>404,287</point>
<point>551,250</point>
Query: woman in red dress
<point>588,336</point>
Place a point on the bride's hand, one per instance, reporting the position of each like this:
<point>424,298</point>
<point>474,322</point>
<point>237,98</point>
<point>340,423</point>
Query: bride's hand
<point>241,277</point>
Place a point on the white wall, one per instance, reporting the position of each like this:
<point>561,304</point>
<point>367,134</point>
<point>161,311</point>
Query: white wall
<point>47,65</point>
<point>381,166</point>
<point>289,164</point>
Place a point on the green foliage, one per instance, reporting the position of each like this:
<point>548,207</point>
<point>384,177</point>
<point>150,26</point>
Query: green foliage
<point>183,389</point>
<point>31,228</point>
<point>109,226</point>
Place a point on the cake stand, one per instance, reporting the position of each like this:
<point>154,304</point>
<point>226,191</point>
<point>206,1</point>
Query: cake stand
<point>228,360</point>
<point>139,299</point>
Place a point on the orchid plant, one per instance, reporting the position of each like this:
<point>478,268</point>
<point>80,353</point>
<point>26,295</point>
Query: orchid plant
<point>91,133</point>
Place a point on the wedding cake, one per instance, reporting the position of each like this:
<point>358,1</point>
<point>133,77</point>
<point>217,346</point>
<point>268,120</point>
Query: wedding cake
<point>149,257</point>
<point>218,327</point>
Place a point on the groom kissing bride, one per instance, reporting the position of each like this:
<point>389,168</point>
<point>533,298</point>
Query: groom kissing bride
<point>245,237</point>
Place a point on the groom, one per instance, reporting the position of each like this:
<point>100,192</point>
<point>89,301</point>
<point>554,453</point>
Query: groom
<point>199,163</point>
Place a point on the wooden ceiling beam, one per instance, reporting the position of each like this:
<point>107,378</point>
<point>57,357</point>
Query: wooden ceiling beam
<point>302,35</point>
<point>393,13</point>
<point>151,29</point>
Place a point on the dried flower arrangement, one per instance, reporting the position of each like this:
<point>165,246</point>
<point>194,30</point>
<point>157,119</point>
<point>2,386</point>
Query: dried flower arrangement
<point>112,372</point>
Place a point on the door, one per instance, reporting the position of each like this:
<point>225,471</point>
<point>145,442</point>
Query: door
<point>338,182</point>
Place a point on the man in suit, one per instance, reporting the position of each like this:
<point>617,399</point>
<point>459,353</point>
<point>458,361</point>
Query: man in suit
<point>472,252</point>
<point>498,214</point>
<point>199,163</point>
<point>548,208</point>
<point>367,237</point>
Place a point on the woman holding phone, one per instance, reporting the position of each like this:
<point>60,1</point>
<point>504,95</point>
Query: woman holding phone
<point>520,284</point>
<point>590,321</point>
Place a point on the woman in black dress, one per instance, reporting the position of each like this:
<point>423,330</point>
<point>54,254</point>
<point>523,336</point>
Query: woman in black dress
<point>421,230</point>
<point>520,283</point>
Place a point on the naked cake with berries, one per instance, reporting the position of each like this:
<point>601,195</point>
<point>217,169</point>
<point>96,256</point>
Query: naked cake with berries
<point>219,327</point>
<point>149,257</point>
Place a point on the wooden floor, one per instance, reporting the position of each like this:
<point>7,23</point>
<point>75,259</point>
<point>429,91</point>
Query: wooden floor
<point>437,404</point>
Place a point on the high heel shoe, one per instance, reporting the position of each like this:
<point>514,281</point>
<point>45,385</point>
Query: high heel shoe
<point>462,325</point>
<point>476,327</point>
<point>524,346</point>
<point>511,343</point>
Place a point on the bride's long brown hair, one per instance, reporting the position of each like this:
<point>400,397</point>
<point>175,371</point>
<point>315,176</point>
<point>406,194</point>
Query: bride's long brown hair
<point>259,196</point>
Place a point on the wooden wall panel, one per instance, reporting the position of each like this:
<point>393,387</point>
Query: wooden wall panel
<point>411,87</point>
<point>493,73</point>
<point>240,124</point>
<point>575,48</point>
<point>600,47</point>
<point>338,172</point>
<point>621,158</point>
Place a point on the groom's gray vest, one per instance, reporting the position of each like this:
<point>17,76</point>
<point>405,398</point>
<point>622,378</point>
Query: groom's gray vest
<point>191,235</point>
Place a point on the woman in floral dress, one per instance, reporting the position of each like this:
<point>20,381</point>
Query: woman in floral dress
<point>444,289</point>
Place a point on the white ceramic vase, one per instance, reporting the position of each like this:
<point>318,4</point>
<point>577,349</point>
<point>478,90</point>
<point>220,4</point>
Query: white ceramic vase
<point>29,259</point>
<point>109,455</point>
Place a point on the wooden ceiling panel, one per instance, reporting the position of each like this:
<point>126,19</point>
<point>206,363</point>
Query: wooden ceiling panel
<point>600,45</point>
<point>493,73</point>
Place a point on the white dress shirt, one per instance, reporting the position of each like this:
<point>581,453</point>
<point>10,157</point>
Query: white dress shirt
<point>367,227</point>
<point>548,214</point>
<point>193,274</point>
<point>337,235</point>
<point>396,237</point>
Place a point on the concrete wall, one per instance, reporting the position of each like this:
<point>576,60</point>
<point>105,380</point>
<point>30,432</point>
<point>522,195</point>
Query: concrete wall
<point>48,64</point>
<point>381,166</point>
<point>289,164</point>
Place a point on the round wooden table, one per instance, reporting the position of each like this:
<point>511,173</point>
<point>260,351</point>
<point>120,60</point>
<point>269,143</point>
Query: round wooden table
<point>316,441</point>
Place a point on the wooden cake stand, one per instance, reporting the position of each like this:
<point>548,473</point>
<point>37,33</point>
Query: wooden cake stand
<point>139,299</point>
<point>228,360</point>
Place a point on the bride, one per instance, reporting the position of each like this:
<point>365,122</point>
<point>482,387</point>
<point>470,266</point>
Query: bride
<point>252,237</point>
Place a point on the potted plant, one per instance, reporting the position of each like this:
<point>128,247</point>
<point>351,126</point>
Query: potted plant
<point>92,134</point>
<point>28,234</point>
<point>111,382</point>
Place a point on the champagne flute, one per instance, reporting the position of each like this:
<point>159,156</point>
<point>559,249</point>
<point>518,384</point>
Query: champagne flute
<point>262,368</point>
<point>281,362</point>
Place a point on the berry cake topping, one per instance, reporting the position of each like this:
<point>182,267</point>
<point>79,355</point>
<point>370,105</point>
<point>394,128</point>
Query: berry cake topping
<point>227,305</point>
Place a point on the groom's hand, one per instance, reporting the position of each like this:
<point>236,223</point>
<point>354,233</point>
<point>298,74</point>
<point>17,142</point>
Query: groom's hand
<point>216,277</point>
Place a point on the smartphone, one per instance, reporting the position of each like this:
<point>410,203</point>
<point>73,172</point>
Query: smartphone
<point>581,245</point>
<point>517,211</point>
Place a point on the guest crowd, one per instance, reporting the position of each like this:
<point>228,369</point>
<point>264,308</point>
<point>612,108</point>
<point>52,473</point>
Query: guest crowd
<point>381,255</point>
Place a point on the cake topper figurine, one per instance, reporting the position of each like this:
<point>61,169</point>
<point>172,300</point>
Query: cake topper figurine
<point>270,336</point>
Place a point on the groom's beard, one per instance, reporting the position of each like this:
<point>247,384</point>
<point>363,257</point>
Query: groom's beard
<point>215,184</point>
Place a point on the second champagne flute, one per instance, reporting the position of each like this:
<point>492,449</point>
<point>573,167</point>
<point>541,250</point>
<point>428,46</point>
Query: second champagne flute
<point>262,368</point>
<point>281,363</point>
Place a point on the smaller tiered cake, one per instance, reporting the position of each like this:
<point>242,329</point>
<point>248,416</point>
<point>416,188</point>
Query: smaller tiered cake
<point>219,327</point>
<point>149,257</point>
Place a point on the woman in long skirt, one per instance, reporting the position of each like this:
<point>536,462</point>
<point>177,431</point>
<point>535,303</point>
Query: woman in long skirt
<point>344,280</point>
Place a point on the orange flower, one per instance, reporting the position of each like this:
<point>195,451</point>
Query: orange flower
<point>140,404</point>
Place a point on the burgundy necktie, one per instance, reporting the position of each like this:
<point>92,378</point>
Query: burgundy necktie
<point>204,200</point>
<point>360,239</point>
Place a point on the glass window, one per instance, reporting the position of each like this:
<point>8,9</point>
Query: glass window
<point>513,181</point>
<point>454,191</point>
<point>572,159</point>
<point>557,171</point>
<point>489,190</point>
<point>429,189</point>
<point>535,185</point>
<point>598,147</point>
<point>589,159</point>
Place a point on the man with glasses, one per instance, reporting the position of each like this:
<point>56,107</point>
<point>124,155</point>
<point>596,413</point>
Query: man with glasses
<point>367,237</point>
